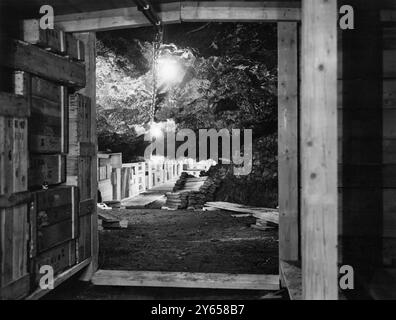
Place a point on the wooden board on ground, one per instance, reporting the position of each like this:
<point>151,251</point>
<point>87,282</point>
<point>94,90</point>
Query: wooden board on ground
<point>270,215</point>
<point>186,280</point>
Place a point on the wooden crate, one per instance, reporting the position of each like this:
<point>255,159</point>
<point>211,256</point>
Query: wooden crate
<point>14,279</point>
<point>13,144</point>
<point>79,122</point>
<point>48,123</point>
<point>46,170</point>
<point>74,48</point>
<point>59,258</point>
<point>56,216</point>
<point>49,39</point>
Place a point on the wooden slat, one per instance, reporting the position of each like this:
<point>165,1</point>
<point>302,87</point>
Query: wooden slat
<point>39,293</point>
<point>186,280</point>
<point>288,140</point>
<point>51,236</point>
<point>29,58</point>
<point>319,149</point>
<point>12,105</point>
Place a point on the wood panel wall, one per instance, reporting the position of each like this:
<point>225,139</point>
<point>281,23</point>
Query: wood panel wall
<point>367,140</point>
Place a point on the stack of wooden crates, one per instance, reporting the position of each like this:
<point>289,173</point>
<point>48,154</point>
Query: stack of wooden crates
<point>46,157</point>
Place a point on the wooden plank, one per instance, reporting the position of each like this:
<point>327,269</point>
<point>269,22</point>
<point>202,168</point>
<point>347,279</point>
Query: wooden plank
<point>8,201</point>
<point>131,17</point>
<point>39,293</point>
<point>291,279</point>
<point>120,18</point>
<point>288,141</point>
<point>44,64</point>
<point>16,290</point>
<point>319,149</point>
<point>186,280</point>
<point>240,11</point>
<point>59,258</point>
<point>89,40</point>
<point>12,105</point>
<point>51,236</point>
<point>270,215</point>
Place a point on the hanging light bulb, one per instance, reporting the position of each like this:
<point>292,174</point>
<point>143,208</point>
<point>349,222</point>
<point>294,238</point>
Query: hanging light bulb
<point>169,70</point>
<point>155,130</point>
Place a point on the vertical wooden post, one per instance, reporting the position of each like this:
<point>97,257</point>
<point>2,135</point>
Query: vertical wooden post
<point>319,149</point>
<point>89,40</point>
<point>288,141</point>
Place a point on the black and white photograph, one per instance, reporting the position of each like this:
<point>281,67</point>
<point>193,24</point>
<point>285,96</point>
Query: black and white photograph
<point>207,157</point>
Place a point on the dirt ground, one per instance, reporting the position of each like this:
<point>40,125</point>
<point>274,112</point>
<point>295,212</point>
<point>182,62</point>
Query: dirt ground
<point>185,240</point>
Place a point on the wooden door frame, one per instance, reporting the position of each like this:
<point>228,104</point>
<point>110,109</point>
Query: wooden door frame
<point>317,157</point>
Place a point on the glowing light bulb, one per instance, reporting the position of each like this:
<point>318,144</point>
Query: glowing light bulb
<point>168,70</point>
<point>155,130</point>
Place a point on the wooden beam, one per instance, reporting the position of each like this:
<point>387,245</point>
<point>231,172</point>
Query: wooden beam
<point>39,293</point>
<point>319,149</point>
<point>113,19</point>
<point>186,280</point>
<point>89,40</point>
<point>26,57</point>
<point>288,140</point>
<point>240,11</point>
<point>177,12</point>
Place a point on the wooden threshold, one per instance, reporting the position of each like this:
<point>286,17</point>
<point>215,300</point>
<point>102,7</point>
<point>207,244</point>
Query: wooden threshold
<point>186,280</point>
<point>291,278</point>
<point>39,293</point>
